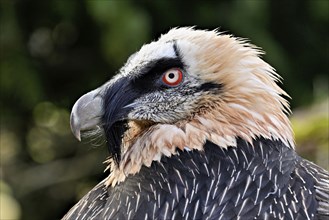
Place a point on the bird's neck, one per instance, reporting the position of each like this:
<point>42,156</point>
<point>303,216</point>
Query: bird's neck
<point>143,146</point>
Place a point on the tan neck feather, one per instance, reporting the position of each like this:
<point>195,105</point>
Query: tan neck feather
<point>222,126</point>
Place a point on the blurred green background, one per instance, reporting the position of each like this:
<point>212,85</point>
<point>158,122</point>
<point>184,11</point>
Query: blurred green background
<point>54,51</point>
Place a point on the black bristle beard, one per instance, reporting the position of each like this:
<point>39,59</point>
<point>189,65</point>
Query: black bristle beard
<point>114,137</point>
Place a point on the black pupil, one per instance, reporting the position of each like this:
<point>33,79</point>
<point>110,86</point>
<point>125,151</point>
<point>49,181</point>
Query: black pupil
<point>171,75</point>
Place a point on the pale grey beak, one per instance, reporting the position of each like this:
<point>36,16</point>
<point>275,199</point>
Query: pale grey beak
<point>86,113</point>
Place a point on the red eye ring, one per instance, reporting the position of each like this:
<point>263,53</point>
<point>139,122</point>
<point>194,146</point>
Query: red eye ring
<point>172,77</point>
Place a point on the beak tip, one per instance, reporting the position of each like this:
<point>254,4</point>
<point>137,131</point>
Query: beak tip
<point>77,135</point>
<point>75,128</point>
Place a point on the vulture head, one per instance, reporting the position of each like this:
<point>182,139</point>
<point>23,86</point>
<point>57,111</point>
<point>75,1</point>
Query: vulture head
<point>188,87</point>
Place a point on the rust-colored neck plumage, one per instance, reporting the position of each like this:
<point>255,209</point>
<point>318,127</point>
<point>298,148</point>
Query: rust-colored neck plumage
<point>142,146</point>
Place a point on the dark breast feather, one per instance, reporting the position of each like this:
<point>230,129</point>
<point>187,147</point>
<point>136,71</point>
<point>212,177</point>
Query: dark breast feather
<point>265,181</point>
<point>91,205</point>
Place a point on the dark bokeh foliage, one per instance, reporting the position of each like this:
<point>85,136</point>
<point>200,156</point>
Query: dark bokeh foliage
<point>54,51</point>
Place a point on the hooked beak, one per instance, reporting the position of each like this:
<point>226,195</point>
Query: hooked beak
<point>106,107</point>
<point>86,113</point>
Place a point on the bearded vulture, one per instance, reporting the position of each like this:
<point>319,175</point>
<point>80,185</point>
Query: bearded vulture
<point>197,128</point>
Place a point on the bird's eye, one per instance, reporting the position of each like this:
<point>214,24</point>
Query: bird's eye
<point>172,77</point>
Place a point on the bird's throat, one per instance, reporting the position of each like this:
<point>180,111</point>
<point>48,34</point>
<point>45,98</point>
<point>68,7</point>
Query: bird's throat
<point>123,133</point>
